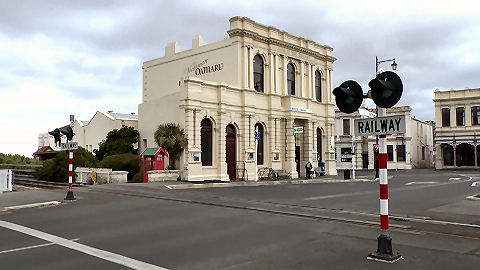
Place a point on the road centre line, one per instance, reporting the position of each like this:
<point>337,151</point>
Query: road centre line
<point>102,254</point>
<point>31,247</point>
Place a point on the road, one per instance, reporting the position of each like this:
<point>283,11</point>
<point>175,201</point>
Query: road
<point>310,226</point>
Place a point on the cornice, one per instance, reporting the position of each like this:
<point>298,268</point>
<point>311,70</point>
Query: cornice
<point>247,33</point>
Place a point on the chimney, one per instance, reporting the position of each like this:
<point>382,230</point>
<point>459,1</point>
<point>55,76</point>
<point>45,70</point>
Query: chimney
<point>197,41</point>
<point>171,49</point>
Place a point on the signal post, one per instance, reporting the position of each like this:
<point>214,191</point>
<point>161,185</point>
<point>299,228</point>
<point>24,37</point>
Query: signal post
<point>386,91</point>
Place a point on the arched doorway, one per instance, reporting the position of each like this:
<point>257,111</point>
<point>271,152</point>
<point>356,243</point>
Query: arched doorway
<point>260,144</point>
<point>231,153</point>
<point>319,145</point>
<point>465,155</point>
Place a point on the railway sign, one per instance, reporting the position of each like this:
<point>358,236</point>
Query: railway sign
<point>69,146</point>
<point>380,125</point>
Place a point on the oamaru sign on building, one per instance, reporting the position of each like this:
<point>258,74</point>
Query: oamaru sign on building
<point>202,68</point>
<point>380,125</point>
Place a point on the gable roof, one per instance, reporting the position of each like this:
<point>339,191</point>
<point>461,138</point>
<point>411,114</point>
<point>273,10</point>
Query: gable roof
<point>123,116</point>
<point>153,151</point>
<point>44,150</point>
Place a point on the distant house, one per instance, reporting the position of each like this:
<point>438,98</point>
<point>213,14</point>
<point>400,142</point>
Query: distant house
<point>44,153</point>
<point>89,134</point>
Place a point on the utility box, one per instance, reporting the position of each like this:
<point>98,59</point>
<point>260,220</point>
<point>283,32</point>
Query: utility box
<point>153,160</point>
<point>6,180</point>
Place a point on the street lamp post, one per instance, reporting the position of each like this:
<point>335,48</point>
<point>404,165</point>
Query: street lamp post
<point>394,67</point>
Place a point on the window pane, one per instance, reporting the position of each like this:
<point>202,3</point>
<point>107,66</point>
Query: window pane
<point>346,126</point>
<point>400,152</point>
<point>318,89</point>
<point>445,117</point>
<point>475,115</point>
<point>291,79</point>
<point>390,152</point>
<point>258,73</point>
<point>460,116</point>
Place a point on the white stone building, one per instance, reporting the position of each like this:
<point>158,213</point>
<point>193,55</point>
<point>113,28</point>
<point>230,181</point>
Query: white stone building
<point>457,123</point>
<point>414,149</point>
<point>259,77</point>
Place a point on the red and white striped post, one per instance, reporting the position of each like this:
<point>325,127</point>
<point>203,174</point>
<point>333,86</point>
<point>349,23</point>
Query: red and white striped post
<point>70,176</point>
<point>384,249</point>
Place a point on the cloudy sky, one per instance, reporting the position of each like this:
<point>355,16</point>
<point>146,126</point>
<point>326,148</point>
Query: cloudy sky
<point>76,57</point>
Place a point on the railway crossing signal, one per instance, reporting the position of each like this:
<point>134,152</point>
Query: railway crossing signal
<point>386,91</point>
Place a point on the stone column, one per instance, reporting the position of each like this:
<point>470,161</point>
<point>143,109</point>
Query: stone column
<point>309,82</point>
<point>250,67</point>
<point>285,87</point>
<point>289,159</point>
<point>221,146</point>
<point>302,92</point>
<point>245,67</point>
<point>272,73</point>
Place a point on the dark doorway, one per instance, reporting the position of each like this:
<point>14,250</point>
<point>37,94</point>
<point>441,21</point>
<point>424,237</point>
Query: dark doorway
<point>365,160</point>
<point>319,145</point>
<point>465,155</point>
<point>231,155</point>
<point>297,158</point>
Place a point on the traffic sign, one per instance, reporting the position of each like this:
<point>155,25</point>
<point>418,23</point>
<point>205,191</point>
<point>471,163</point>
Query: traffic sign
<point>69,146</point>
<point>297,130</point>
<point>380,125</point>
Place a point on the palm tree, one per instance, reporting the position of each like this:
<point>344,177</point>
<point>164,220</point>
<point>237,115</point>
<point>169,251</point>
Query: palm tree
<point>172,138</point>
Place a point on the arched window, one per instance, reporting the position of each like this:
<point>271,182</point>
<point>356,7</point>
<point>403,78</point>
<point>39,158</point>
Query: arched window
<point>206,142</point>
<point>258,73</point>
<point>319,144</point>
<point>291,79</point>
<point>318,87</point>
<point>260,151</point>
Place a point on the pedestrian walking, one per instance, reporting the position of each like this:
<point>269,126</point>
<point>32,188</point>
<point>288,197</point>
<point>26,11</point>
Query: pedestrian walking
<point>308,169</point>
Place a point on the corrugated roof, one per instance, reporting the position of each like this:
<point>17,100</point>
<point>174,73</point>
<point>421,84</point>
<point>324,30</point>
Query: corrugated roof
<point>150,151</point>
<point>123,116</point>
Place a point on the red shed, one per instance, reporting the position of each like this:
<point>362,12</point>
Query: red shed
<point>153,159</point>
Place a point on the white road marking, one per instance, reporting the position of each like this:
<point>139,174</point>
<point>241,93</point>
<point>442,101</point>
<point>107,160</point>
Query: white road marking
<point>455,179</point>
<point>102,254</point>
<point>31,247</point>
<point>475,184</point>
<point>420,183</point>
<point>16,207</point>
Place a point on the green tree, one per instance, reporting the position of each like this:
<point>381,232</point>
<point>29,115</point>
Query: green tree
<point>119,141</point>
<point>122,162</point>
<point>172,138</point>
<point>56,169</point>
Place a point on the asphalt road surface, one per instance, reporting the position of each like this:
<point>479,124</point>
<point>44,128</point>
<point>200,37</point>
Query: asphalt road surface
<point>309,226</point>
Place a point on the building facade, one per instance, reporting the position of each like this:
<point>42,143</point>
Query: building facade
<point>457,118</point>
<point>414,149</point>
<point>257,78</point>
<point>89,134</point>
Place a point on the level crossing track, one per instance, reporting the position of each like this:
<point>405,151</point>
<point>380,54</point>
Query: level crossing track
<point>409,224</point>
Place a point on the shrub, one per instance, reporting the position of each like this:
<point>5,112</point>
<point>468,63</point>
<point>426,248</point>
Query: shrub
<point>122,162</point>
<point>56,169</point>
